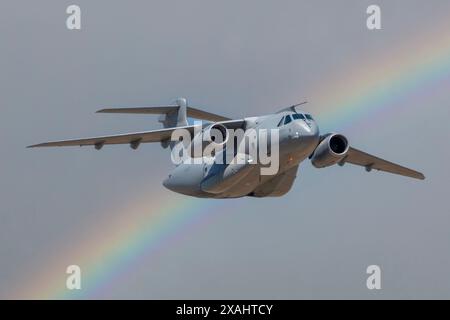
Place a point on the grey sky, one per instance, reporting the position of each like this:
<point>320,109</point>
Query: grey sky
<point>235,58</point>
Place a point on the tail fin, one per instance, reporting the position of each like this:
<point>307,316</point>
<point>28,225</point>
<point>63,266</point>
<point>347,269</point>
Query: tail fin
<point>175,116</point>
<point>171,115</point>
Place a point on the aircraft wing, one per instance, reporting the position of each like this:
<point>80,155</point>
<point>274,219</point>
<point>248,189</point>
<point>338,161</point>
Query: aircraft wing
<point>134,139</point>
<point>191,112</point>
<point>370,162</point>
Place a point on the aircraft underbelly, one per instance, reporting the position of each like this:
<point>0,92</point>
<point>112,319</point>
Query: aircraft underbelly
<point>244,187</point>
<point>278,185</point>
<point>193,180</point>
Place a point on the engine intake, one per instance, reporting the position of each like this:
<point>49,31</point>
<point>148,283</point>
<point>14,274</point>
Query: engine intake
<point>216,133</point>
<point>332,149</point>
<point>212,136</point>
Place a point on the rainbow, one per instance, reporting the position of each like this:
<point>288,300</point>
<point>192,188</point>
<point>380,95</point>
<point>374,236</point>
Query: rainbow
<point>403,72</point>
<point>149,223</point>
<point>144,226</point>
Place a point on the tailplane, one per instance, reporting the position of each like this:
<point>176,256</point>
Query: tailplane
<point>171,115</point>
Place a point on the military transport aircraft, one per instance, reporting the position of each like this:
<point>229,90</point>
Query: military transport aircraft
<point>298,139</point>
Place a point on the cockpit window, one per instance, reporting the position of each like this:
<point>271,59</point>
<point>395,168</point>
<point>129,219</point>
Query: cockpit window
<point>308,116</point>
<point>287,119</point>
<point>298,116</point>
<point>281,122</point>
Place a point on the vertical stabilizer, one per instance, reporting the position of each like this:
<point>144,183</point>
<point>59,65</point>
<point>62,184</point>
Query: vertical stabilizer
<point>174,118</point>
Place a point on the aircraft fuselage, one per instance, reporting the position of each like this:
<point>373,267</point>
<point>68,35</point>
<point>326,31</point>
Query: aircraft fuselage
<point>297,140</point>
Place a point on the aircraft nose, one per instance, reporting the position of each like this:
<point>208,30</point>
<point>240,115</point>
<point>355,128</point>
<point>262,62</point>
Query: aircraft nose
<point>168,183</point>
<point>184,179</point>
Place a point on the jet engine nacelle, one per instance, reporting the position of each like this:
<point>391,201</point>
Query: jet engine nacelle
<point>332,149</point>
<point>214,135</point>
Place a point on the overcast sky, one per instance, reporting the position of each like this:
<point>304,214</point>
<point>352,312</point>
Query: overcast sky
<point>236,58</point>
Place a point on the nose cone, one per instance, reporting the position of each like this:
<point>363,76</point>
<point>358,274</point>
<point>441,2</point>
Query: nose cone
<point>185,179</point>
<point>167,183</point>
<point>176,183</point>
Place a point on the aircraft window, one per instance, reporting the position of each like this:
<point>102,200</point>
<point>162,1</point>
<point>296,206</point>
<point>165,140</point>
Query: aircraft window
<point>281,122</point>
<point>298,116</point>
<point>308,116</point>
<point>287,119</point>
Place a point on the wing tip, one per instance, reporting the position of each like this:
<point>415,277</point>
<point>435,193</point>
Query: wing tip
<point>111,110</point>
<point>35,145</point>
<point>39,145</point>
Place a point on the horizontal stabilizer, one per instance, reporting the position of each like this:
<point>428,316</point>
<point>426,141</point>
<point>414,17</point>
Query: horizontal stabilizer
<point>191,112</point>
